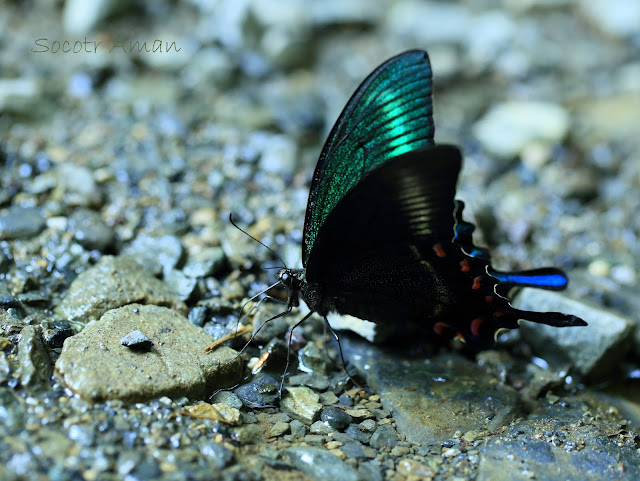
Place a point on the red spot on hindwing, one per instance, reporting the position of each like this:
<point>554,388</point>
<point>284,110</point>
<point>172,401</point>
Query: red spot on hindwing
<point>438,327</point>
<point>477,281</point>
<point>439,250</point>
<point>464,266</point>
<point>475,326</point>
<point>488,298</point>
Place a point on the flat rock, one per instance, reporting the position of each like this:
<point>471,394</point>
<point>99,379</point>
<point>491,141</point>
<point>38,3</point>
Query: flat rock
<point>114,282</point>
<point>430,399</point>
<point>95,365</point>
<point>593,350</point>
<point>156,254</point>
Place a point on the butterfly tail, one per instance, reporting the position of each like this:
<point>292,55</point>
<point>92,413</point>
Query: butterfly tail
<point>544,278</point>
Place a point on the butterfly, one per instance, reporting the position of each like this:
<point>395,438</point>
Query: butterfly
<point>384,239</point>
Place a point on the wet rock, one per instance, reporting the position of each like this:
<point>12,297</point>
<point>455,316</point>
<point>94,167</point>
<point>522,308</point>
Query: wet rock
<point>429,398</point>
<point>114,282</point>
<point>556,448</point>
<point>156,254</point>
<point>320,427</point>
<point>90,230</point>
<point>19,95</point>
<point>217,454</point>
<point>320,464</point>
<point>20,223</point>
<point>34,363</point>
<point>508,128</point>
<point>136,341</point>
<point>56,333</point>
<point>593,351</point>
<point>302,403</point>
<point>261,391</point>
<point>356,433</point>
<point>95,365</point>
<point>335,417</point>
<point>384,436</point>
<point>319,383</point>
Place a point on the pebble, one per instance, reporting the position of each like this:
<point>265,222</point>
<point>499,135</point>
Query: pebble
<point>265,331</point>
<point>508,128</point>
<point>181,284</point>
<point>261,391</point>
<point>96,366</point>
<point>156,254</point>
<point>278,429</point>
<point>114,282</point>
<point>356,433</point>
<point>415,469</point>
<point>593,351</point>
<point>137,341</point>
<point>312,360</point>
<point>206,262</point>
<point>76,186</point>
<point>384,436</point>
<point>19,95</point>
<point>319,464</point>
<point>320,427</point>
<point>335,417</point>
<point>90,230</point>
<point>21,223</point>
<point>302,403</point>
<point>34,366</point>
<point>229,398</point>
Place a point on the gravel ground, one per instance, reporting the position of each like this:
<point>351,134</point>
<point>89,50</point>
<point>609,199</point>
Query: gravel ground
<point>121,162</point>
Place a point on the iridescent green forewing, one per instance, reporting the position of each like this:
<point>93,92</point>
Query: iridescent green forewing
<point>388,115</point>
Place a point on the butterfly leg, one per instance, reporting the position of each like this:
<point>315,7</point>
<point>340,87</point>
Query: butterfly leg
<point>286,366</point>
<point>344,363</point>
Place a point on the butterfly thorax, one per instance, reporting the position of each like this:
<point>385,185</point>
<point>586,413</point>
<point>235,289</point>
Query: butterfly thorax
<point>296,283</point>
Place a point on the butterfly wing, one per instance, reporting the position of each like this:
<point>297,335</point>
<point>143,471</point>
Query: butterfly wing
<point>389,114</point>
<point>400,251</point>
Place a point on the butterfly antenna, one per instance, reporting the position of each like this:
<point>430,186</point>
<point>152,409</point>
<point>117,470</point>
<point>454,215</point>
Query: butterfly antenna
<point>259,242</point>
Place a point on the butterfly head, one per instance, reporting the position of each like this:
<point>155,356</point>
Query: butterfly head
<point>293,280</point>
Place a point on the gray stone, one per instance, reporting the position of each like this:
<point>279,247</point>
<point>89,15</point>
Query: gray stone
<point>356,433</point>
<point>298,430</point>
<point>335,417</point>
<point>508,128</point>
<point>114,282</point>
<point>205,263</point>
<point>319,464</point>
<point>136,341</point>
<point>261,391</point>
<point>95,365</point>
<point>20,223</point>
<point>180,283</point>
<point>384,436</point>
<point>302,403</point>
<point>156,254</point>
<point>90,230</point>
<point>320,427</point>
<point>265,331</point>
<point>34,363</point>
<point>356,450</point>
<point>312,360</point>
<point>229,398</point>
<point>5,370</point>
<point>593,351</point>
